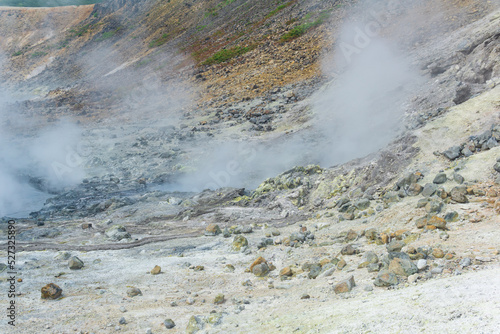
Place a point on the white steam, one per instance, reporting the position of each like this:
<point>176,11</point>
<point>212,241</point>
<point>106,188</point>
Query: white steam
<point>34,160</point>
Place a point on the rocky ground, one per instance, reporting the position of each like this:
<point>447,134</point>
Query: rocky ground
<point>403,240</point>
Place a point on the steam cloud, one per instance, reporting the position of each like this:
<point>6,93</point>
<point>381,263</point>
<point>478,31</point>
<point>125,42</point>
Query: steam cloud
<point>34,161</point>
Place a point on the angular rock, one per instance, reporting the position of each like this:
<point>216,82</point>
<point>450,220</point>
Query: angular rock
<point>421,264</point>
<point>437,222</point>
<point>459,194</point>
<point>345,285</point>
<point>385,278</point>
<point>452,153</point>
<point>440,178</point>
<point>212,230</point>
<point>402,267</point>
<point>371,257</point>
<point>117,233</point>
<point>259,260</point>
<point>341,264</point>
<point>219,299</point>
<point>458,178</point>
<point>315,271</point>
<point>429,190</point>
<point>75,263</point>
<point>395,246</point>
<point>434,206</point>
<point>287,271</point>
<point>156,270</point>
<point>414,189</point>
<point>451,217</point>
<point>371,234</point>
<point>437,253</point>
<point>132,292</point>
<point>51,291</point>
<point>195,325</point>
<point>349,250</point>
<point>169,323</point>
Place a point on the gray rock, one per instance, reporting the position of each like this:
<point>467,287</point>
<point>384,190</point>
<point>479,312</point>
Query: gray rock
<point>434,206</point>
<point>260,270</point>
<point>465,262</point>
<point>371,257</point>
<point>440,178</point>
<point>451,216</point>
<point>246,229</point>
<point>402,267</point>
<point>452,153</point>
<point>368,287</point>
<point>226,233</point>
<point>75,263</point>
<point>132,292</point>
<point>315,271</point>
<point>298,236</point>
<point>437,270</point>
<point>169,323</point>
<point>421,264</point>
<point>459,194</point>
<point>491,143</point>
<point>458,178</point>
<point>362,204</point>
<point>385,278</point>
<point>122,321</point>
<point>117,233</point>
<point>496,167</point>
<point>395,246</point>
<point>429,190</point>
<point>373,267</point>
<point>349,250</point>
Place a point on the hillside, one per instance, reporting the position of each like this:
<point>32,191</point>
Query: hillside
<point>251,166</point>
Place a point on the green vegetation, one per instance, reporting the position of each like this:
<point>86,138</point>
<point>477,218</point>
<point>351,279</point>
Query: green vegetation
<point>38,54</point>
<point>17,53</point>
<point>46,3</point>
<point>227,54</point>
<point>279,8</point>
<point>108,34</point>
<point>80,31</point>
<point>200,28</point>
<point>159,41</point>
<point>214,10</point>
<point>303,28</point>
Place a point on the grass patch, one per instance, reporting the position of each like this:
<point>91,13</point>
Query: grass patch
<point>303,28</point>
<point>278,9</point>
<point>80,31</point>
<point>227,54</point>
<point>214,11</point>
<point>38,54</point>
<point>17,53</point>
<point>108,34</point>
<point>159,41</point>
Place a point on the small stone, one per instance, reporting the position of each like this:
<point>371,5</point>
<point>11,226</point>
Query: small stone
<point>341,264</point>
<point>226,233</point>
<point>414,189</point>
<point>123,309</point>
<point>169,323</point>
<point>402,267</point>
<point>465,262</point>
<point>348,250</point>
<point>429,190</point>
<point>368,287</point>
<point>453,152</point>
<point>305,296</point>
<point>315,271</point>
<point>437,270</point>
<point>451,216</point>
<point>438,222</point>
<point>229,268</point>
<point>246,229</point>
<point>261,270</point>
<point>75,263</point>
<point>259,260</point>
<point>421,264</point>
<point>149,331</point>
<point>395,246</point>
<point>122,321</point>
<point>275,232</point>
<point>385,278</point>
<point>371,234</point>
<point>437,253</point>
<point>51,291</point>
<point>412,278</point>
<point>156,270</point>
<point>434,206</point>
<point>371,257</point>
<point>458,178</point>
<point>132,292</point>
<point>449,256</point>
<point>287,271</point>
<point>199,268</point>
<point>351,236</point>
<point>345,285</point>
<point>219,299</point>
<point>117,233</point>
<point>190,301</point>
<point>440,178</point>
<point>195,325</point>
<point>373,267</point>
<point>212,230</point>
<point>239,243</point>
<point>458,194</point>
